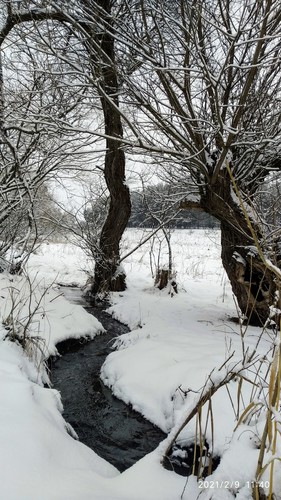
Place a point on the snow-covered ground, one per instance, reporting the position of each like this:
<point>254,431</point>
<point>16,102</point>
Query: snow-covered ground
<point>160,367</point>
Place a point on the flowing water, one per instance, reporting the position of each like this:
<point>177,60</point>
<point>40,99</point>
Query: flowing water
<point>104,423</point>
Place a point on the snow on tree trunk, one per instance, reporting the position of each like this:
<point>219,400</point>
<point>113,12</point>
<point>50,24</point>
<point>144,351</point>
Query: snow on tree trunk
<point>253,284</point>
<point>108,276</point>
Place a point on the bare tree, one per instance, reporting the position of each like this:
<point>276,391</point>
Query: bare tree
<point>88,26</point>
<point>206,79</point>
<point>202,81</point>
<point>108,274</point>
<point>32,146</point>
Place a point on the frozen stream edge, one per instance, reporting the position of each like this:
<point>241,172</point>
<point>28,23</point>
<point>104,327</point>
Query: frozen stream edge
<point>104,423</point>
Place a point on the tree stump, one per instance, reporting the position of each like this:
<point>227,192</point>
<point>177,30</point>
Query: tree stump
<point>163,279</point>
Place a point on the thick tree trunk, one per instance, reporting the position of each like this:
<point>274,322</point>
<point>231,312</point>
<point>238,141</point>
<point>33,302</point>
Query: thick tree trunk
<point>253,284</point>
<point>108,275</point>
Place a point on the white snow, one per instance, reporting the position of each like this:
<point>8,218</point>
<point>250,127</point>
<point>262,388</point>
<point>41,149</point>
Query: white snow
<point>161,367</point>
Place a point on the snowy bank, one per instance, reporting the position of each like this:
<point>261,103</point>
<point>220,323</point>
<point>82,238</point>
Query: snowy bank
<point>160,367</point>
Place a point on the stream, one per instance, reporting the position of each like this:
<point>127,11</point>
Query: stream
<point>104,423</point>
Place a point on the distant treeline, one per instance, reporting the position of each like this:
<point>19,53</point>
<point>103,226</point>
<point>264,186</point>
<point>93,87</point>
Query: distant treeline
<point>149,209</point>
<point>153,206</point>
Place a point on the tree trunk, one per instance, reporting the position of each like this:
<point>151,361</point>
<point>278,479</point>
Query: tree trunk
<point>108,275</point>
<point>253,284</point>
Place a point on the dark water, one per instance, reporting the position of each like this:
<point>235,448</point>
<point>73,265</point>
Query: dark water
<point>104,423</point>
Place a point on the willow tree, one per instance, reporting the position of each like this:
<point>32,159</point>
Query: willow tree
<point>100,45</point>
<point>206,80</point>
<point>202,80</point>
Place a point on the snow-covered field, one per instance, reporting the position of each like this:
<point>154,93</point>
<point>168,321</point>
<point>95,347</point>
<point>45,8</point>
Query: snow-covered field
<point>160,367</point>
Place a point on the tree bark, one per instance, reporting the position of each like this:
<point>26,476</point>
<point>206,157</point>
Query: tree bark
<point>253,284</point>
<point>108,274</point>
